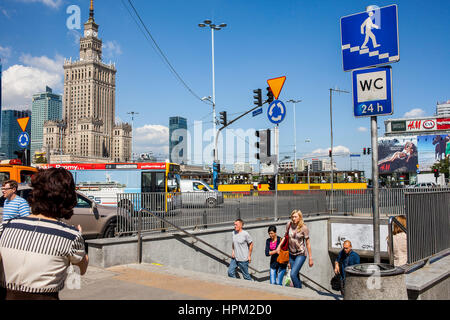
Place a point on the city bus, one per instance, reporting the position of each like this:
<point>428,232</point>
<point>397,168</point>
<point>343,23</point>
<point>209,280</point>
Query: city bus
<point>154,186</point>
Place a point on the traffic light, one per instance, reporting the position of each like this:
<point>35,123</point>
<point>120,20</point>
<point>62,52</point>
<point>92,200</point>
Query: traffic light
<point>223,118</point>
<point>329,153</point>
<point>263,145</point>
<point>364,150</point>
<point>271,184</point>
<point>258,97</point>
<point>368,150</point>
<point>436,173</point>
<point>269,95</point>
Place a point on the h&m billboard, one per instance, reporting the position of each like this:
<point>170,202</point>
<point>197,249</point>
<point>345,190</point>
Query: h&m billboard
<point>411,153</point>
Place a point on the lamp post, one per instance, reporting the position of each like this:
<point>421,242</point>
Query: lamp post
<point>295,134</point>
<point>331,150</point>
<point>213,27</point>
<point>132,135</point>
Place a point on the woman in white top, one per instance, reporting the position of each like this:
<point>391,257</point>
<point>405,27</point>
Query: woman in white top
<point>36,250</point>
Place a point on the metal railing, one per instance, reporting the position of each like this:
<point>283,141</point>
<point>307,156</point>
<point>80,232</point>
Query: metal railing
<point>428,224</point>
<point>199,210</point>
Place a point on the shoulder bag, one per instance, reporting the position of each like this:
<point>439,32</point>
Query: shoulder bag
<point>283,256</point>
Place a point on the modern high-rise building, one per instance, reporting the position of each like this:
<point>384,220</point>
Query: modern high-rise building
<point>11,131</point>
<point>178,140</point>
<point>89,132</point>
<point>45,106</point>
<point>443,108</point>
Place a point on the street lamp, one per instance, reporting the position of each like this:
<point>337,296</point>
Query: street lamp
<point>132,135</point>
<point>295,134</point>
<point>331,150</point>
<point>213,27</point>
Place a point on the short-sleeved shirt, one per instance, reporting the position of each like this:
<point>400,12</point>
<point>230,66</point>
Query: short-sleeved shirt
<point>15,208</point>
<point>297,239</point>
<point>35,254</point>
<point>241,241</point>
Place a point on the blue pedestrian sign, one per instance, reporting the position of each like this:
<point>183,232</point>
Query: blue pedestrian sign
<point>370,38</point>
<point>276,112</point>
<point>24,139</point>
<point>372,92</point>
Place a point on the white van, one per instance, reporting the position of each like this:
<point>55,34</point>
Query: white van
<point>199,193</point>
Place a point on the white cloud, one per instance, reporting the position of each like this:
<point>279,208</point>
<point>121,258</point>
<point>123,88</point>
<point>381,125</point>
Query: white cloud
<point>153,138</point>
<point>337,150</point>
<point>44,63</point>
<point>5,53</point>
<point>50,3</point>
<point>362,129</point>
<point>111,49</point>
<point>20,82</point>
<point>417,112</point>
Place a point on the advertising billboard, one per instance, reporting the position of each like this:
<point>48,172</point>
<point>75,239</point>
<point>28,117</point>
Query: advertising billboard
<point>397,154</point>
<point>432,149</point>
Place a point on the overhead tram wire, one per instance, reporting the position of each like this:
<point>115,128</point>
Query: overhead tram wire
<point>158,49</point>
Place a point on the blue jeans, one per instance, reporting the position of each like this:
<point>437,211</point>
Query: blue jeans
<point>276,276</point>
<point>296,264</point>
<point>243,266</point>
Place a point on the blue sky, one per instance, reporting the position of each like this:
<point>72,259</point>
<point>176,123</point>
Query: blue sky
<point>263,40</point>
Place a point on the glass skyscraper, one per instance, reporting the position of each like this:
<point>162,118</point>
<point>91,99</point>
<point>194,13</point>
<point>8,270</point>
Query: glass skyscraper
<point>179,155</point>
<point>46,106</point>
<point>11,131</point>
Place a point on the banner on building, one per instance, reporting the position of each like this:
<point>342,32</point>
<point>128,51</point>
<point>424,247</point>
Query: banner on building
<point>397,154</point>
<point>432,149</point>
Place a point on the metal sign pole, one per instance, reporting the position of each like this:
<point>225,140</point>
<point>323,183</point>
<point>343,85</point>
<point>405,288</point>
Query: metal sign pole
<point>375,194</point>
<point>276,173</point>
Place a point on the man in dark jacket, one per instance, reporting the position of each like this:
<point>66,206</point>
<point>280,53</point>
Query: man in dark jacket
<point>347,257</point>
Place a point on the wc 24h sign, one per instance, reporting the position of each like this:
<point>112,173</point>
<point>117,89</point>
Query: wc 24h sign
<point>372,92</point>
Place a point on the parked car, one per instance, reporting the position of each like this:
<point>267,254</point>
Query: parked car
<point>199,193</point>
<point>424,185</point>
<point>96,221</point>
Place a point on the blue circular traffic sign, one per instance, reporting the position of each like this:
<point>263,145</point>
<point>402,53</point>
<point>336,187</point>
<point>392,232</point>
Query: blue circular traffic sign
<point>276,112</point>
<point>24,139</point>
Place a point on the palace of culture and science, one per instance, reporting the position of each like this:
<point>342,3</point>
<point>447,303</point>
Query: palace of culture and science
<point>88,132</point>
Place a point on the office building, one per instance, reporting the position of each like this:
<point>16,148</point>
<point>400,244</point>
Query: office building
<point>178,140</point>
<point>11,131</point>
<point>45,106</point>
<point>443,108</point>
<point>316,165</point>
<point>89,132</point>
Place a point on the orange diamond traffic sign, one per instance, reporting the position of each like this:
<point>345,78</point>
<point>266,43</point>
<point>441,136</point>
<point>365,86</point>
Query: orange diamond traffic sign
<point>276,84</point>
<point>23,122</point>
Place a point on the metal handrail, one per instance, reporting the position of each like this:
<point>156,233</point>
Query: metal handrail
<point>391,237</point>
<point>202,241</point>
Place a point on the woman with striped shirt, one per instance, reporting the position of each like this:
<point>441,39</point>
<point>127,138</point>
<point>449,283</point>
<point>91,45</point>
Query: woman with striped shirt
<point>36,250</point>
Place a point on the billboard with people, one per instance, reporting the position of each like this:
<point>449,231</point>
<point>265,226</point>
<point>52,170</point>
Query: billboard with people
<point>411,153</point>
<point>432,149</point>
<point>397,154</point>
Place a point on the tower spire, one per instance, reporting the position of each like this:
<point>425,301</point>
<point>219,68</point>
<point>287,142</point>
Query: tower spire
<point>91,10</point>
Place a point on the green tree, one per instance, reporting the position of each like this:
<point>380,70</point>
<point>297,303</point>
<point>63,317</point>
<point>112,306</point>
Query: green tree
<point>442,166</point>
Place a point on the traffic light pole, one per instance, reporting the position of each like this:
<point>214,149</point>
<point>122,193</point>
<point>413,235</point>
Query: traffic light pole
<point>216,157</point>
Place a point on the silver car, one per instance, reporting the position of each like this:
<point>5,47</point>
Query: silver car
<point>199,193</point>
<point>96,221</point>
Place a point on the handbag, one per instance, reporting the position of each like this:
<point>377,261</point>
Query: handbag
<point>336,282</point>
<point>283,256</point>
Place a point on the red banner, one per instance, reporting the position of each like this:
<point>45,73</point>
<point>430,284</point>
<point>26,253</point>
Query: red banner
<point>443,123</point>
<point>106,166</point>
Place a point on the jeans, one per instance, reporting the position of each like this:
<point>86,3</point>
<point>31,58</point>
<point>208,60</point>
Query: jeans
<point>243,266</point>
<point>276,276</point>
<point>296,264</point>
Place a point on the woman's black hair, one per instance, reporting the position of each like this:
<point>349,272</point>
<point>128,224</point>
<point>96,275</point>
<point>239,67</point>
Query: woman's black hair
<point>272,228</point>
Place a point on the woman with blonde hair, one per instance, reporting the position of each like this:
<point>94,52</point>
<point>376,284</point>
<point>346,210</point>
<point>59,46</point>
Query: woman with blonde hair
<point>400,249</point>
<point>299,245</point>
